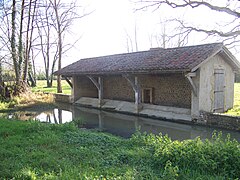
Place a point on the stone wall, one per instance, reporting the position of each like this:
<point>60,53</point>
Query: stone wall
<point>219,120</point>
<point>168,89</point>
<point>117,88</point>
<point>62,98</point>
<point>83,87</point>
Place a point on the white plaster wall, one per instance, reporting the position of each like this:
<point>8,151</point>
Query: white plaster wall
<point>206,88</point>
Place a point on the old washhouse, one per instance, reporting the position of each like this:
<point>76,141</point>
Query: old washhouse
<point>174,83</point>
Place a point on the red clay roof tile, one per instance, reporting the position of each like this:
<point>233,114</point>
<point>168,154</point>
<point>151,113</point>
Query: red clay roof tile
<point>157,60</point>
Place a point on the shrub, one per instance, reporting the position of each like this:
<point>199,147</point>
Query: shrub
<point>215,156</point>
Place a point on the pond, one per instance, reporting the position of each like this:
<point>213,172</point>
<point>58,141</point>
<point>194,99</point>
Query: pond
<point>118,124</point>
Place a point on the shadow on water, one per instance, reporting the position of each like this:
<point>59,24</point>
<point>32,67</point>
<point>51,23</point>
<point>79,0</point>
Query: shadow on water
<point>118,124</point>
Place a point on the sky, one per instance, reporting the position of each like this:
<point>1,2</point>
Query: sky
<point>105,30</point>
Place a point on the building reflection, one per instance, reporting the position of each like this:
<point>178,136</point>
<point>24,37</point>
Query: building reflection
<point>119,124</point>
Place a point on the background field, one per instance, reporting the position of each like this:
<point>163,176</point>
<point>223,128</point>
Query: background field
<point>42,86</point>
<point>236,108</point>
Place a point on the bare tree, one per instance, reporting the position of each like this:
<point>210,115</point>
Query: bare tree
<point>29,39</point>
<point>167,36</point>
<point>46,43</point>
<point>228,32</point>
<point>60,24</point>
<point>132,41</point>
<point>16,35</point>
<point>55,20</point>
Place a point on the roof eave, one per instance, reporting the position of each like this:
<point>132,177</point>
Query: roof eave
<point>231,59</point>
<point>206,60</point>
<point>70,74</point>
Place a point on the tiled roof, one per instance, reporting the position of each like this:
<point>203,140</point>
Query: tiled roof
<point>156,60</point>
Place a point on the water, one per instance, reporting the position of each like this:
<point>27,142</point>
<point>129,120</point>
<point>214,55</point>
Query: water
<point>119,124</point>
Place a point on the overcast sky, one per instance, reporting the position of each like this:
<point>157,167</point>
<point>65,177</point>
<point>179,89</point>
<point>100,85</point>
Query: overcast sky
<point>104,32</point>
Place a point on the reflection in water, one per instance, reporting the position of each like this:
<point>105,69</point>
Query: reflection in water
<point>125,125</point>
<point>56,116</point>
<point>119,124</point>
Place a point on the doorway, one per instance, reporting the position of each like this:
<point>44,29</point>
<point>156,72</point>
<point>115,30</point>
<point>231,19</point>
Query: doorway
<point>147,95</point>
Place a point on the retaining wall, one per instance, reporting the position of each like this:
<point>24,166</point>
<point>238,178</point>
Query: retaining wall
<point>62,98</point>
<point>220,120</point>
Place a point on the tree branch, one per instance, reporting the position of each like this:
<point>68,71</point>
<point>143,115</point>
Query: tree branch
<point>192,4</point>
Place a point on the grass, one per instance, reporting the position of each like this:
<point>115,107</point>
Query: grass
<point>27,100</point>
<point>235,111</point>
<point>33,150</point>
<point>42,87</point>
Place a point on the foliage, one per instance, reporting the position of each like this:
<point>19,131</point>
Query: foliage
<point>9,90</point>
<point>42,87</point>
<point>27,99</point>
<point>33,150</point>
<point>40,76</point>
<point>216,156</point>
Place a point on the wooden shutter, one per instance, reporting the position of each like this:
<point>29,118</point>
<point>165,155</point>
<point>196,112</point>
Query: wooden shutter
<point>219,86</point>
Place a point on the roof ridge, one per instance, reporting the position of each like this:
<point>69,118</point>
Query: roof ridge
<point>154,49</point>
<point>189,46</point>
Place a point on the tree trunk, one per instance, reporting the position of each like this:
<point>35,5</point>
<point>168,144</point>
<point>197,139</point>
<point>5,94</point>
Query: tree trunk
<point>20,43</point>
<point>13,43</point>
<point>29,39</point>
<point>33,69</point>
<point>1,79</point>
<point>59,32</point>
<point>26,61</point>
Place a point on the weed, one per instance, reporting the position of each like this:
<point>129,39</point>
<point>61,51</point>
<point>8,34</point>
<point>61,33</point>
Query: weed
<point>34,150</point>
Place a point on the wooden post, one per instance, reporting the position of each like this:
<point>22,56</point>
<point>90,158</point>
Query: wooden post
<point>137,95</point>
<point>99,85</point>
<point>137,91</point>
<point>100,92</point>
<point>192,85</point>
<point>100,120</point>
<point>68,81</point>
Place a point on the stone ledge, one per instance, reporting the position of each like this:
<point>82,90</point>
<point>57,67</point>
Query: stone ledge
<point>148,109</point>
<point>62,98</point>
<point>219,120</point>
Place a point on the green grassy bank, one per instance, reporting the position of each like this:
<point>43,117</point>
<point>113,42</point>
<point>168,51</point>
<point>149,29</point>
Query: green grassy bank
<point>33,150</point>
<point>236,108</point>
<point>42,87</point>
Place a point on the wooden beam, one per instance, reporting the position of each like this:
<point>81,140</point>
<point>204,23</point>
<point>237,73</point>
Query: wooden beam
<point>131,80</point>
<point>192,74</point>
<point>100,91</point>
<point>99,86</point>
<point>193,86</point>
<point>136,88</point>
<point>94,81</point>
<point>68,81</point>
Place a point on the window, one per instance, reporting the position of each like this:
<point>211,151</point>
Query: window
<point>147,95</point>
